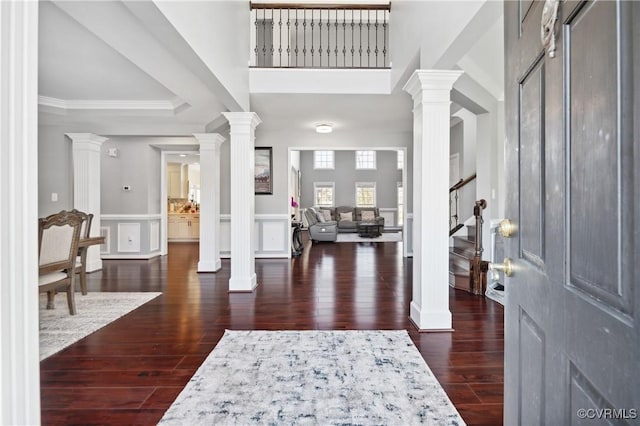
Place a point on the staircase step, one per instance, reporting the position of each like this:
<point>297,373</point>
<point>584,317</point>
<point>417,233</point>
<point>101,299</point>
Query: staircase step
<point>464,242</point>
<point>459,261</point>
<point>465,252</point>
<point>460,281</point>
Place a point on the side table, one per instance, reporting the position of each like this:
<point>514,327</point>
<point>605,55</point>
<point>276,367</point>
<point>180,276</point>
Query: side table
<point>296,241</point>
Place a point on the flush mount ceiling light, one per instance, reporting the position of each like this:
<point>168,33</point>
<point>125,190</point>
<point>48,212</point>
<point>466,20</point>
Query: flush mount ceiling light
<point>324,128</point>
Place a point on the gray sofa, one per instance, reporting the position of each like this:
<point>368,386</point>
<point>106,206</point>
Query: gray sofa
<point>356,217</point>
<point>320,231</point>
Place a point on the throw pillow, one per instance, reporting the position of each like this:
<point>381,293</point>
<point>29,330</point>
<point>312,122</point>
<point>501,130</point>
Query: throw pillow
<point>346,216</point>
<point>320,216</point>
<point>367,216</point>
<point>327,215</point>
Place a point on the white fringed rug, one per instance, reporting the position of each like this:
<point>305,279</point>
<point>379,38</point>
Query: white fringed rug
<point>385,237</point>
<point>313,377</point>
<point>58,329</point>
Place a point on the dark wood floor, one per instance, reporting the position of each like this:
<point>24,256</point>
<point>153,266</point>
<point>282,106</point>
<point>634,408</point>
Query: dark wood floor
<point>131,371</point>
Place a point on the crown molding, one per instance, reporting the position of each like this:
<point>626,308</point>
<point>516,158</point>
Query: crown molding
<point>175,105</point>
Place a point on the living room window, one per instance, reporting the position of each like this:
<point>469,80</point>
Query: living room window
<point>323,193</point>
<point>323,160</point>
<point>365,194</point>
<point>400,218</point>
<point>365,160</point>
<point>400,160</point>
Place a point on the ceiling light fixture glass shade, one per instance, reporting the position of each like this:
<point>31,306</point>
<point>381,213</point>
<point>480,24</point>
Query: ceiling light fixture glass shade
<point>324,128</point>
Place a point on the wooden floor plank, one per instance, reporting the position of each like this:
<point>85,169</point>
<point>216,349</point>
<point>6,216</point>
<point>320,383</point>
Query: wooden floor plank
<point>131,371</point>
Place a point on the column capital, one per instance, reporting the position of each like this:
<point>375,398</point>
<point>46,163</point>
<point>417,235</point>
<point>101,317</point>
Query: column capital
<point>434,81</point>
<point>242,119</point>
<point>86,140</point>
<point>209,139</point>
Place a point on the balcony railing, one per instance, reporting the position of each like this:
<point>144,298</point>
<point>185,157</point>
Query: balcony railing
<point>320,36</point>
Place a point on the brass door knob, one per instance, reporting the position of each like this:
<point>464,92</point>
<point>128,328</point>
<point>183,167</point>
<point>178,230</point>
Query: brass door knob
<point>506,267</point>
<point>506,228</point>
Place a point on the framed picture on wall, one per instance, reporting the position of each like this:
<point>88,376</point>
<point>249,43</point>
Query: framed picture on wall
<point>263,170</point>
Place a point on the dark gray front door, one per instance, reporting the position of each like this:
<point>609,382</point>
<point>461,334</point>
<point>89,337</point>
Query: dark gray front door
<point>572,323</point>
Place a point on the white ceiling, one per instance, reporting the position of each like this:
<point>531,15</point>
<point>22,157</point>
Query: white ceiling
<point>96,65</point>
<point>346,113</point>
<point>74,64</point>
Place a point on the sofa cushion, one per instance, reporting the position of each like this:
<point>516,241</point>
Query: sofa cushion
<point>348,216</point>
<point>368,216</point>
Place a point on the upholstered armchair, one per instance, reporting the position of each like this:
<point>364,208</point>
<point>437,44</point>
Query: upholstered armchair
<point>81,259</point>
<point>58,249</point>
<point>320,231</point>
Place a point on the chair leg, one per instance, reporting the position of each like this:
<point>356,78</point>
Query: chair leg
<point>83,280</point>
<point>70,300</point>
<point>50,295</point>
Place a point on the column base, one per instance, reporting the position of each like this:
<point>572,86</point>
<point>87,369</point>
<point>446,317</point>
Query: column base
<point>426,321</point>
<point>209,265</point>
<point>243,285</point>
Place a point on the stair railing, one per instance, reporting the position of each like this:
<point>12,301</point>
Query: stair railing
<point>479,267</point>
<point>454,218</point>
<point>288,35</point>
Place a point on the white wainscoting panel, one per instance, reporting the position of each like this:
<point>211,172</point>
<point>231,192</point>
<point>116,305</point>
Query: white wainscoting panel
<point>154,236</point>
<point>389,215</point>
<point>272,234</point>
<point>129,237</point>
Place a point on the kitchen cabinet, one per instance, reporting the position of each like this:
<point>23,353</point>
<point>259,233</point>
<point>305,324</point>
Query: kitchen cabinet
<point>183,227</point>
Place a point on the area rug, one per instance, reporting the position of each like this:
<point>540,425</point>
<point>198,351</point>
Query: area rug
<point>386,237</point>
<point>58,329</point>
<point>313,377</point>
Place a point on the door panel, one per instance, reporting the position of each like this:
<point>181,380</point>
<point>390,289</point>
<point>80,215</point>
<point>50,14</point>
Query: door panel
<point>531,163</point>
<point>594,143</point>
<point>532,353</point>
<point>572,160</point>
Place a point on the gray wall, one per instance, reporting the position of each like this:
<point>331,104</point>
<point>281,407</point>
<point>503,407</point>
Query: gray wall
<point>137,165</point>
<point>345,176</point>
<point>307,139</point>
<point>55,170</point>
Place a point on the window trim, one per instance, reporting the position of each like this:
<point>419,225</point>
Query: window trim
<point>333,159</point>
<point>331,185</point>
<point>400,164</point>
<point>375,159</point>
<point>367,185</point>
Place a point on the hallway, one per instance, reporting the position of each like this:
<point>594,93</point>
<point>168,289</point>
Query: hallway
<point>131,371</point>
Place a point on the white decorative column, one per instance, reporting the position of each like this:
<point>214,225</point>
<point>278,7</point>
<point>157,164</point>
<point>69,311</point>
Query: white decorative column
<point>431,93</point>
<point>86,186</point>
<point>243,265</point>
<point>210,144</point>
<point>19,359</point>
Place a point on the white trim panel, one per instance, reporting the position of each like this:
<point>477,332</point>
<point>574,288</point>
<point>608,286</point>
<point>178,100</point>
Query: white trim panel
<point>272,236</point>
<point>129,237</point>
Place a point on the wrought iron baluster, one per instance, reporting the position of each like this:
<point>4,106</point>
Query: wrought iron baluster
<point>304,37</point>
<point>320,32</point>
<point>376,33</point>
<point>344,38</point>
<point>255,50</point>
<point>328,37</point>
<point>360,38</point>
<point>288,37</point>
<point>296,49</point>
<point>264,37</point>
<point>352,41</point>
<point>384,48</point>
<point>368,38</point>
<point>336,49</point>
<point>280,31</point>
<point>312,48</point>
<point>273,22</point>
